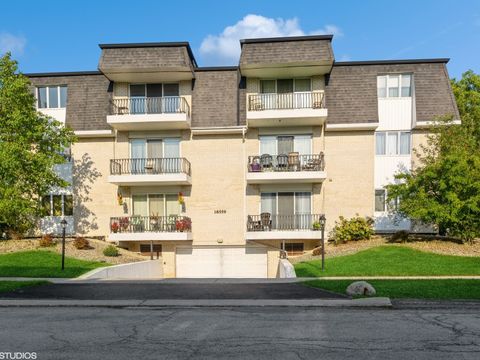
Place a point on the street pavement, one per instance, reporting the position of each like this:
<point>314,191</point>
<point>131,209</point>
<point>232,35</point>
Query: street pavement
<point>409,332</point>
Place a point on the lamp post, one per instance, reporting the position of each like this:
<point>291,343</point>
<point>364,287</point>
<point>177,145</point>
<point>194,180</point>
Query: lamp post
<point>64,225</point>
<point>322,224</point>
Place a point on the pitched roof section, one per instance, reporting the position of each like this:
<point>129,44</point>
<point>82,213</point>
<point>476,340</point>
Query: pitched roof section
<point>147,60</point>
<point>88,98</point>
<point>351,92</point>
<point>304,53</point>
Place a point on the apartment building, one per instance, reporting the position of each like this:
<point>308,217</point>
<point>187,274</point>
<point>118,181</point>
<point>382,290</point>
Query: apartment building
<point>217,169</point>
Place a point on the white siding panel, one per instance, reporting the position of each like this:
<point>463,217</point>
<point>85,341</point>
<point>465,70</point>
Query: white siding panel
<point>395,114</point>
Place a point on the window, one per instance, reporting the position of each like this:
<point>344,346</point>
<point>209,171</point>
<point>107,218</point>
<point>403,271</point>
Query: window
<point>284,144</point>
<point>52,97</point>
<point>392,143</point>
<point>380,200</point>
<point>155,205</point>
<point>285,86</point>
<point>145,249</point>
<point>57,205</point>
<point>294,249</point>
<point>393,86</point>
<point>380,143</point>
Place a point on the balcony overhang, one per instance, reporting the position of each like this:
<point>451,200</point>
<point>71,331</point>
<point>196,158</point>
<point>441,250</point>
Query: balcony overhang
<point>140,122</point>
<point>286,177</point>
<point>154,75</point>
<point>285,70</point>
<point>287,117</point>
<point>284,235</point>
<point>151,236</point>
<point>150,179</point>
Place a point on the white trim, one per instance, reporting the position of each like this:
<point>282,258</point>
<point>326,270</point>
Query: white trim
<point>428,124</point>
<point>94,133</point>
<point>218,130</point>
<point>348,127</point>
<point>151,236</point>
<point>283,235</point>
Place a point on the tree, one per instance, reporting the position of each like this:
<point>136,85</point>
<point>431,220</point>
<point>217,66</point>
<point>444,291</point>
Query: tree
<point>31,145</point>
<point>445,188</point>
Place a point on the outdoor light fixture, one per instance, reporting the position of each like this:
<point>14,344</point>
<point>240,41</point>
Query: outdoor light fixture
<point>64,225</point>
<point>322,221</point>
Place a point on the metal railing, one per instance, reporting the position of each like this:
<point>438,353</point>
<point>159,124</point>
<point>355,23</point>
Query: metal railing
<point>269,222</point>
<point>142,166</point>
<point>150,105</point>
<point>290,162</point>
<point>304,100</point>
<point>139,224</point>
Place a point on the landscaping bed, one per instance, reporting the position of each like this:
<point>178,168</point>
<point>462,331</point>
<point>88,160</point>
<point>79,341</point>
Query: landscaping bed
<point>391,260</point>
<point>43,264</point>
<point>453,289</point>
<point>94,253</point>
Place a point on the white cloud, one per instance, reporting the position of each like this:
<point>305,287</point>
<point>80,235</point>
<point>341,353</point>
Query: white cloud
<point>225,48</point>
<point>13,43</point>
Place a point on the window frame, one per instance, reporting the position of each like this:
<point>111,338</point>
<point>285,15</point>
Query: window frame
<point>386,78</point>
<point>384,191</point>
<point>148,194</point>
<point>276,136</point>
<point>62,204</point>
<point>398,146</point>
<point>162,138</point>
<point>163,89</point>
<point>291,78</point>
<point>295,192</point>
<point>47,96</point>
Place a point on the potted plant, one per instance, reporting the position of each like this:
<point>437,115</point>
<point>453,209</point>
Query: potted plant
<point>124,223</point>
<point>316,226</point>
<point>114,227</point>
<point>184,224</point>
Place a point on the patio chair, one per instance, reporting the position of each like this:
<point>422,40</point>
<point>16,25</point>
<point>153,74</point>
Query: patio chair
<point>265,220</point>
<point>253,225</point>
<point>266,161</point>
<point>293,161</point>
<point>282,162</point>
<point>255,164</point>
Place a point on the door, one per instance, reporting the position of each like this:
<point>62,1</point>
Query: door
<point>285,93</point>
<point>154,98</point>
<point>139,220</point>
<point>221,262</point>
<point>137,99</point>
<point>172,162</point>
<point>154,155</point>
<point>286,210</point>
<point>137,156</point>
<point>303,209</point>
<point>303,94</point>
<point>171,98</point>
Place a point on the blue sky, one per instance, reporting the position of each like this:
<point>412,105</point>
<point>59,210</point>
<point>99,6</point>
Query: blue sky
<point>63,35</point>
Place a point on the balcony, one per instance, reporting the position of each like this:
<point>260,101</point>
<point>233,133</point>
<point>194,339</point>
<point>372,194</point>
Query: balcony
<point>150,171</point>
<point>284,227</point>
<point>292,168</point>
<point>150,228</point>
<point>151,113</point>
<point>290,109</point>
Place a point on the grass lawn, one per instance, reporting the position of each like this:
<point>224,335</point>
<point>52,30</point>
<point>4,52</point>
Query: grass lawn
<point>7,286</point>
<point>411,289</point>
<point>43,263</point>
<point>391,260</point>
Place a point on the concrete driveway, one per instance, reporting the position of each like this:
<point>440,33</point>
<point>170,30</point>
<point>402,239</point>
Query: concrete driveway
<point>128,290</point>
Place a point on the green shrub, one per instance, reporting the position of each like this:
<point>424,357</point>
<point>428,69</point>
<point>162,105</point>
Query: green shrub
<point>400,236</point>
<point>356,228</point>
<point>46,241</point>
<point>110,250</point>
<point>81,243</point>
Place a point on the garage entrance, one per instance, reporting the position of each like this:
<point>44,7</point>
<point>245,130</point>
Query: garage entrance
<point>221,262</point>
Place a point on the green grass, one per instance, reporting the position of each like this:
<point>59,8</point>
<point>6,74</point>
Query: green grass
<point>411,289</point>
<point>43,263</point>
<point>391,260</point>
<point>7,286</point>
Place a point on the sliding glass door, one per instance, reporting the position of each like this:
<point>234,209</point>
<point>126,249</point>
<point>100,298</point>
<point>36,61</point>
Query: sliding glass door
<point>289,210</point>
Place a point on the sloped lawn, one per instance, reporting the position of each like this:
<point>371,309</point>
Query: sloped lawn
<point>411,289</point>
<point>43,263</point>
<point>391,260</point>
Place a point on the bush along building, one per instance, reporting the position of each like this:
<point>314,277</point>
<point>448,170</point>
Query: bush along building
<point>219,169</point>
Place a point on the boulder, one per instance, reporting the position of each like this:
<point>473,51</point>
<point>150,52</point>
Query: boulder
<point>360,288</point>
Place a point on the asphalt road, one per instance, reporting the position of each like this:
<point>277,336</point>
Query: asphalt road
<point>180,291</point>
<point>241,333</point>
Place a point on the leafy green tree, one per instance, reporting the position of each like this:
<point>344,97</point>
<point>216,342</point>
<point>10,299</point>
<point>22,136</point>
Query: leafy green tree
<point>30,145</point>
<point>445,188</point>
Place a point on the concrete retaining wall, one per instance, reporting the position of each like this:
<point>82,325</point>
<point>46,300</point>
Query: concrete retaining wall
<point>150,269</point>
<point>286,269</point>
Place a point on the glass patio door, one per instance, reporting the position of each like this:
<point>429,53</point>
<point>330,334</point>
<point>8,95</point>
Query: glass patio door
<point>154,98</point>
<point>137,99</point>
<point>302,95</point>
<point>172,162</point>
<point>303,219</point>
<point>171,99</point>
<point>286,211</point>
<point>154,156</point>
<point>284,93</point>
<point>137,156</point>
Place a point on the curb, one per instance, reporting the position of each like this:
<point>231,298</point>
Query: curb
<point>377,302</point>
